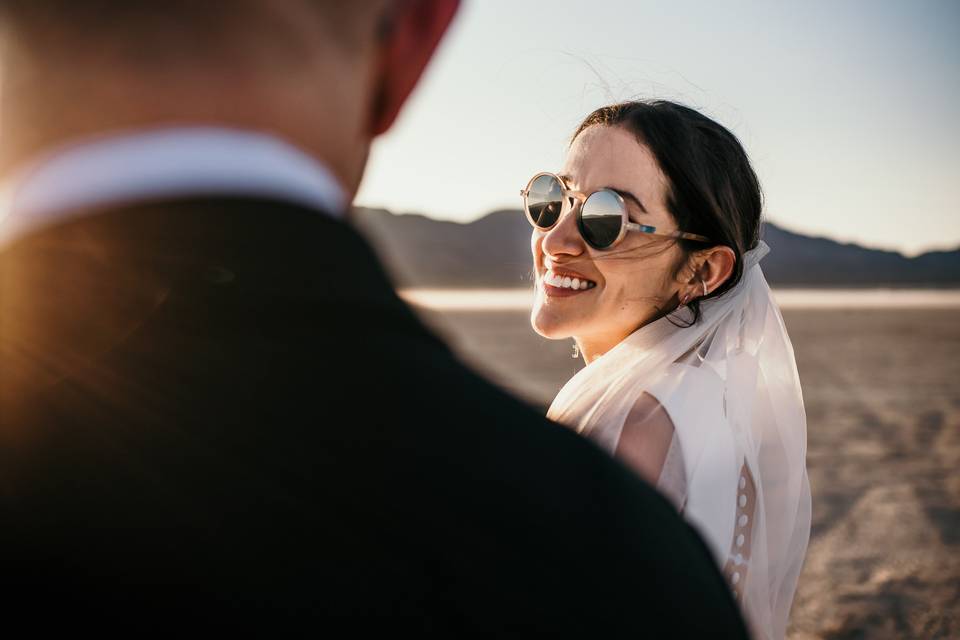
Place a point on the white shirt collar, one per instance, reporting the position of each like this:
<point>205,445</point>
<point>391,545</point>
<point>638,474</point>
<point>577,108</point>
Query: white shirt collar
<point>162,163</point>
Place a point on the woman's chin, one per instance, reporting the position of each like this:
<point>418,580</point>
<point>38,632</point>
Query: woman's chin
<point>550,327</point>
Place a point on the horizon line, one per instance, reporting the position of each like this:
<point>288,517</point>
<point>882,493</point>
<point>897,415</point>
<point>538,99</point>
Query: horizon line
<point>908,255</point>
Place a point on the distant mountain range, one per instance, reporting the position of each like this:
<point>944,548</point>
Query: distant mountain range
<point>494,251</point>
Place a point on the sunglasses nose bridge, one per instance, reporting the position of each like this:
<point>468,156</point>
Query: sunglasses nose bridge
<point>564,236</point>
<point>569,208</point>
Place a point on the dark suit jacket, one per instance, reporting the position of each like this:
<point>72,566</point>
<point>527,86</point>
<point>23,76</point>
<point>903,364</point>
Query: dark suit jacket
<point>218,412</point>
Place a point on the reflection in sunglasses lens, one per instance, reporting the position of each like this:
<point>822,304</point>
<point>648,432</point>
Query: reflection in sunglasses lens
<point>600,219</point>
<point>544,201</point>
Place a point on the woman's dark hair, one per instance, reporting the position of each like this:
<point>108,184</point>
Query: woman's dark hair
<point>712,189</point>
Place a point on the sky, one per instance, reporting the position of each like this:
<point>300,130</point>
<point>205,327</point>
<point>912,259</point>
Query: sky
<point>848,109</point>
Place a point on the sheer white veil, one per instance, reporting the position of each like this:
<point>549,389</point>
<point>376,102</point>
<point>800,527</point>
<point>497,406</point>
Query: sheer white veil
<point>746,412</point>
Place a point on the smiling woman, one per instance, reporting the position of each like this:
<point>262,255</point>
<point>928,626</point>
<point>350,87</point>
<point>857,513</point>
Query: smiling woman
<point>646,251</point>
<point>693,175</point>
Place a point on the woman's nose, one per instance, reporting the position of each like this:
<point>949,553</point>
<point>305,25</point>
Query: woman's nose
<point>563,237</point>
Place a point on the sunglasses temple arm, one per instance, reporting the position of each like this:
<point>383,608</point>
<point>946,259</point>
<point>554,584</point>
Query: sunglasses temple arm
<point>682,235</point>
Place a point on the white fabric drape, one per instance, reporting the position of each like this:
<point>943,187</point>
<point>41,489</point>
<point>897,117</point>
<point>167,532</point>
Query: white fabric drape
<point>737,463</point>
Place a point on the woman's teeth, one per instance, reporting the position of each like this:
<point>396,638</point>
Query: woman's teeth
<point>567,282</point>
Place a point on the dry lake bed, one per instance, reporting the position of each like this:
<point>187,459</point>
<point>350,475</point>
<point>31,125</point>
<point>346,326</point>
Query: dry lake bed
<point>882,393</point>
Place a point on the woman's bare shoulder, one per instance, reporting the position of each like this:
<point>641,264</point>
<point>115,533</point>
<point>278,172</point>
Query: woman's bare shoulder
<point>646,437</point>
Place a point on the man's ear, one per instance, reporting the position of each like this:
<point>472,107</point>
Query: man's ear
<point>415,30</point>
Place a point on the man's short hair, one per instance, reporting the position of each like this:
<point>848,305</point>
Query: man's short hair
<point>152,25</point>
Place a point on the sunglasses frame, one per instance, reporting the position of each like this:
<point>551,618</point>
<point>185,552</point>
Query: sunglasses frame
<point>625,224</point>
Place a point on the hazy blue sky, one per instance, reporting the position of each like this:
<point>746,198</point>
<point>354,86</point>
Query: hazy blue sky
<point>850,110</point>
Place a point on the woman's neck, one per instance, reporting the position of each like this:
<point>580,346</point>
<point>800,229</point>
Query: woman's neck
<point>594,346</point>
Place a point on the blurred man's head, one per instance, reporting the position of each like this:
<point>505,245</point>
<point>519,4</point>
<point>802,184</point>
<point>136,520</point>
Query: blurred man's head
<point>328,75</point>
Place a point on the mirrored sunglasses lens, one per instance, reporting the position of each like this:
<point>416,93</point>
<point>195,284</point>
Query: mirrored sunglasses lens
<point>544,201</point>
<point>600,219</point>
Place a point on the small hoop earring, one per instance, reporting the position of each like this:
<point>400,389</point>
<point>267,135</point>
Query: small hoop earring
<point>576,350</point>
<point>704,283</point>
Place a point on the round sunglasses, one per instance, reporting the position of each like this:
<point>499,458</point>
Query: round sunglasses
<point>601,218</point>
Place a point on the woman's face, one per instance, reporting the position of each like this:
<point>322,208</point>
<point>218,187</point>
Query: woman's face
<point>634,280</point>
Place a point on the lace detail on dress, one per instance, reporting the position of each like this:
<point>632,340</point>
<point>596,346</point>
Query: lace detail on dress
<point>738,559</point>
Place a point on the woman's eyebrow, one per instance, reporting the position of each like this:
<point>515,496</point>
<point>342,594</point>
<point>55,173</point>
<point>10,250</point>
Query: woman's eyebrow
<point>623,193</point>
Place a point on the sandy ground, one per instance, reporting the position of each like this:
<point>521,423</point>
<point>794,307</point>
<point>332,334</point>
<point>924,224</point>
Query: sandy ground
<point>882,393</point>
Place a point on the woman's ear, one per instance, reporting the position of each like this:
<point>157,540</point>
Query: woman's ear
<point>714,266</point>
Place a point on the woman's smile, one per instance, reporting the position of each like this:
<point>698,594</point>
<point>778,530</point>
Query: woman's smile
<point>562,283</point>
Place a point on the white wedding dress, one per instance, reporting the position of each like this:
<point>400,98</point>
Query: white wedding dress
<point>736,462</point>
